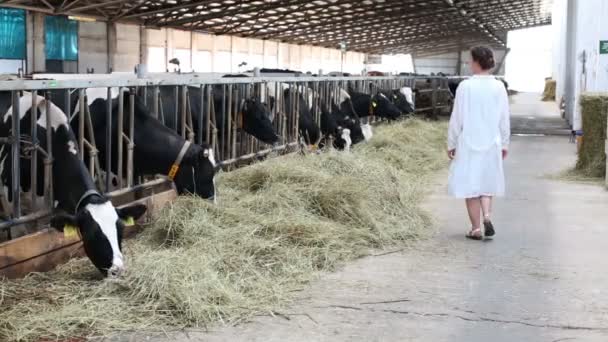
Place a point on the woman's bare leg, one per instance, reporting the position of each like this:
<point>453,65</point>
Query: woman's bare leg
<point>474,209</point>
<point>486,207</point>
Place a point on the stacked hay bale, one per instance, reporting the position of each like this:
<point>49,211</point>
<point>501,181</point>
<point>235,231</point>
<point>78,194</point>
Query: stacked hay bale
<point>592,152</point>
<point>550,88</point>
<point>277,225</point>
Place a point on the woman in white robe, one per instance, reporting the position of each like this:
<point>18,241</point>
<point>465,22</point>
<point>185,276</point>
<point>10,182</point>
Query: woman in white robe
<point>478,141</point>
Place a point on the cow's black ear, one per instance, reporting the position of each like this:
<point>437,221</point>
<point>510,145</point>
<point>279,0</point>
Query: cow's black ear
<point>60,221</point>
<point>135,211</point>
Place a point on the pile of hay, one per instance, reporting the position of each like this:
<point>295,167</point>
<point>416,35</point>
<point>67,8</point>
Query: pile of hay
<point>277,225</point>
<point>550,88</point>
<point>592,152</point>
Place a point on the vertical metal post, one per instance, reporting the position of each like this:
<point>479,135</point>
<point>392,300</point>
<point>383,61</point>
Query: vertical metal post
<point>208,110</point>
<point>48,161</point>
<point>67,98</point>
<point>434,86</point>
<point>82,102</point>
<point>183,104</point>
<point>34,135</point>
<point>176,107</point>
<point>131,138</point>
<point>119,134</point>
<point>108,146</point>
<point>16,153</point>
<point>201,117</point>
<point>155,100</point>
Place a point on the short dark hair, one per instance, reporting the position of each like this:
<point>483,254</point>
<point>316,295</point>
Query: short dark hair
<point>484,57</point>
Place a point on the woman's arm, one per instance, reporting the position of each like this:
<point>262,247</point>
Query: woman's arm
<point>505,121</point>
<point>455,127</point>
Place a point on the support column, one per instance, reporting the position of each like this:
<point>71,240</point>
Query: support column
<point>571,62</point>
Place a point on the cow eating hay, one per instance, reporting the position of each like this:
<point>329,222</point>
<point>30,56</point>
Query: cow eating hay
<point>277,225</point>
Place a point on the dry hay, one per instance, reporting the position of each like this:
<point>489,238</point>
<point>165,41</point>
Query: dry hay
<point>592,153</point>
<point>277,225</point>
<point>550,89</point>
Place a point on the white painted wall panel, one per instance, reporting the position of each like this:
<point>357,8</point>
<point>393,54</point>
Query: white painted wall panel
<point>92,47</point>
<point>127,54</point>
<point>588,73</point>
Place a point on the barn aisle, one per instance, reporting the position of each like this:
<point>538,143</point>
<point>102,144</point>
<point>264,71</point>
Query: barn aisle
<point>541,279</point>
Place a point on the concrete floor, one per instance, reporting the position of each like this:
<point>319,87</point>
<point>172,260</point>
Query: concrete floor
<point>543,277</point>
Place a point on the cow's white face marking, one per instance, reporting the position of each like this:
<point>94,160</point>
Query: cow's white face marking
<point>72,147</point>
<point>407,92</point>
<point>346,137</point>
<point>367,131</point>
<point>209,153</point>
<point>106,217</point>
<point>343,95</point>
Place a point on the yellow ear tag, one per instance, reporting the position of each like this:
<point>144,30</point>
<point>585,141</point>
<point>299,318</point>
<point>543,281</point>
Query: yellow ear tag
<point>129,221</point>
<point>374,104</point>
<point>70,232</point>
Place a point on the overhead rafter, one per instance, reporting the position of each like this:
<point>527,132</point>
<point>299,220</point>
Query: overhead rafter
<point>372,26</point>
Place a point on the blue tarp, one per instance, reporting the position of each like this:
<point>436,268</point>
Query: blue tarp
<point>61,38</point>
<point>12,33</point>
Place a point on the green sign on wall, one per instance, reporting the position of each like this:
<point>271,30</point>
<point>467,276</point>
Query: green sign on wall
<point>603,47</point>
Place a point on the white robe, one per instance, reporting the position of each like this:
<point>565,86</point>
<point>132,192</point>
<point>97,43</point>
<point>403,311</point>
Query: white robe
<point>479,129</point>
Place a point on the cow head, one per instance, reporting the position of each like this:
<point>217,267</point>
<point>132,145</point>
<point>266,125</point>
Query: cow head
<point>353,127</point>
<point>381,106</point>
<point>399,99</point>
<point>196,174</point>
<point>100,226</point>
<point>255,118</point>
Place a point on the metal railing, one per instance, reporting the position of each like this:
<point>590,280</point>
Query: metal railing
<point>230,143</point>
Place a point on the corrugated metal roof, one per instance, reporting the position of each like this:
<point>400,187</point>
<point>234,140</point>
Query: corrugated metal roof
<point>372,26</point>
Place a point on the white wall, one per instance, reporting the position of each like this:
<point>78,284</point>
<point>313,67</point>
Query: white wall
<point>588,28</point>
<point>130,45</point>
<point>394,64</point>
<point>447,63</point>
<point>559,46</point>
<point>127,50</point>
<point>92,47</point>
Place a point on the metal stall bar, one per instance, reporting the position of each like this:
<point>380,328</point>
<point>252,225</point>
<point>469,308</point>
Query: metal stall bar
<point>34,161</point>
<point>184,113</point>
<point>203,118</point>
<point>15,157</point>
<point>119,135</point>
<point>109,140</point>
<point>48,161</point>
<point>130,138</point>
<point>81,113</point>
<point>155,100</point>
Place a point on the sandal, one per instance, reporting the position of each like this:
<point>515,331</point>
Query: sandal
<point>489,228</point>
<point>475,234</point>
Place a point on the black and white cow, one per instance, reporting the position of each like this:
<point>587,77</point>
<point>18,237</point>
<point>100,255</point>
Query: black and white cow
<point>78,201</point>
<point>196,165</point>
<point>344,128</point>
<point>253,116</point>
<point>158,149</point>
<point>365,105</point>
<point>401,98</point>
<point>307,127</point>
